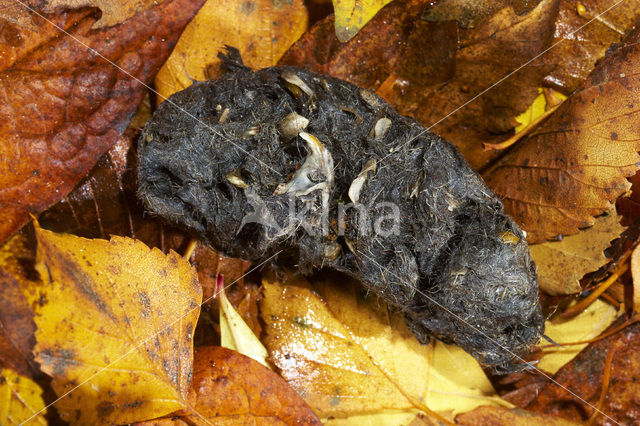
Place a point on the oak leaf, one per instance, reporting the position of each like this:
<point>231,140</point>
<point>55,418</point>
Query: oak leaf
<point>20,400</point>
<point>575,164</point>
<point>62,105</point>
<point>348,355</point>
<point>262,30</point>
<point>561,264</point>
<point>352,15</point>
<point>119,316</point>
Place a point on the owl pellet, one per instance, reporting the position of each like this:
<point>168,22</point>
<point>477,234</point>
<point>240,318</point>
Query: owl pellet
<point>330,176</point>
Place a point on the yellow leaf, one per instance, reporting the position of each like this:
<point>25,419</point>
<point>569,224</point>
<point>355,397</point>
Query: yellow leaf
<point>262,30</point>
<point>561,264</point>
<point>352,15</point>
<point>115,327</point>
<point>584,326</point>
<point>20,399</point>
<point>236,335</point>
<point>349,356</point>
<point>538,107</point>
<point>635,273</point>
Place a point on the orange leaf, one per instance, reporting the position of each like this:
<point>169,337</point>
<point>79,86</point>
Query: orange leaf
<point>571,169</point>
<point>62,106</point>
<point>119,316</point>
<point>262,30</point>
<point>500,416</point>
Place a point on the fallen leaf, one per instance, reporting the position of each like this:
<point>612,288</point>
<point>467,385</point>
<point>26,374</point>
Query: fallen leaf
<point>583,33</point>
<point>584,377</point>
<point>496,416</point>
<point>20,399</point>
<point>235,334</point>
<point>587,325</point>
<point>113,11</point>
<point>121,316</point>
<point>230,388</point>
<point>635,273</point>
<point>262,30</point>
<point>62,106</point>
<point>16,316</point>
<point>352,15</point>
<point>575,164</point>
<point>348,356</point>
<point>561,264</point>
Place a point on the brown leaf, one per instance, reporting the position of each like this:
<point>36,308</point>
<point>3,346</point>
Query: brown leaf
<point>561,264</point>
<point>429,68</point>
<point>230,388</point>
<point>496,416</point>
<point>583,33</point>
<point>584,377</point>
<point>571,169</point>
<point>16,316</point>
<point>62,106</point>
<point>262,30</point>
<point>113,11</point>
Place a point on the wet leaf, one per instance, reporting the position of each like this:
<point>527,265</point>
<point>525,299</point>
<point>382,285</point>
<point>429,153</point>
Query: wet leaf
<point>348,355</point>
<point>352,15</point>
<point>584,377</point>
<point>230,388</point>
<point>561,264</point>
<point>496,416</point>
<point>20,399</point>
<point>635,273</point>
<point>587,325</point>
<point>575,164</point>
<point>120,315</point>
<point>262,30</point>
<point>16,316</point>
<point>113,12</point>
<point>62,106</point>
<point>583,33</point>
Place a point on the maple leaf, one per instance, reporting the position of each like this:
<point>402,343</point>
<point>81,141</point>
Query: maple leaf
<point>349,356</point>
<point>261,30</point>
<point>575,164</point>
<point>20,400</point>
<point>63,104</point>
<point>121,315</point>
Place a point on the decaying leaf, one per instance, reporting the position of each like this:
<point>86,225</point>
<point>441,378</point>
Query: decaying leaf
<point>352,15</point>
<point>575,164</point>
<point>348,356</point>
<point>121,316</point>
<point>584,377</point>
<point>62,106</point>
<point>500,416</point>
<point>587,325</point>
<point>561,264</point>
<point>113,11</point>
<point>20,400</point>
<point>229,388</point>
<point>261,29</point>
<point>16,316</point>
<point>583,33</point>
<point>635,273</point>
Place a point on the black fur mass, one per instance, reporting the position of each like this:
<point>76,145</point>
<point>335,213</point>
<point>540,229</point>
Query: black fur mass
<point>286,160</point>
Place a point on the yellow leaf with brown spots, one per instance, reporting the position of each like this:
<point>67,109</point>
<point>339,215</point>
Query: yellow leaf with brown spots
<point>561,264</point>
<point>350,357</point>
<point>20,400</point>
<point>262,30</point>
<point>351,15</point>
<point>115,327</point>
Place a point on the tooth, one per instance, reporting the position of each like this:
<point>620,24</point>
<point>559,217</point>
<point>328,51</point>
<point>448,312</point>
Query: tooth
<point>381,128</point>
<point>356,185</point>
<point>234,178</point>
<point>292,124</point>
<point>293,79</point>
<point>319,161</point>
